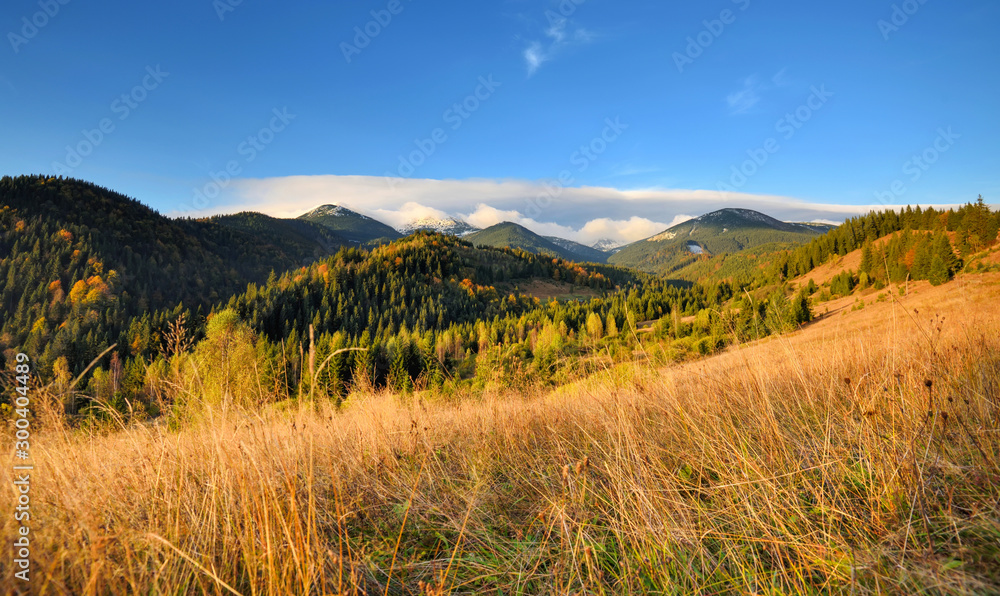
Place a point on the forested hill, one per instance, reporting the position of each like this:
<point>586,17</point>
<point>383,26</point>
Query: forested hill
<point>303,240</point>
<point>953,235</point>
<point>512,235</point>
<point>723,231</point>
<point>78,261</point>
<point>424,282</point>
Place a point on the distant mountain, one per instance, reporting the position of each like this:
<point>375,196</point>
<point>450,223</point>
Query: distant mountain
<point>512,235</point>
<point>608,245</point>
<point>448,225</point>
<point>583,252</point>
<point>350,225</point>
<point>305,240</point>
<point>722,231</point>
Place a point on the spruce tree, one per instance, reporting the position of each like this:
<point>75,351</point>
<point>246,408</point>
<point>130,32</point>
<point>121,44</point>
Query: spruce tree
<point>938,271</point>
<point>867,259</point>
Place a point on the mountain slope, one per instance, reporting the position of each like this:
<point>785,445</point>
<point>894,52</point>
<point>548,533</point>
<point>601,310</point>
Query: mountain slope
<point>581,251</point>
<point>78,261</point>
<point>350,225</point>
<point>608,245</point>
<point>306,241</point>
<point>425,281</point>
<point>722,231</point>
<point>512,235</point>
<point>450,226</point>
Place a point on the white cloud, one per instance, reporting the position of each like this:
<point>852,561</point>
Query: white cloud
<point>557,31</point>
<point>625,230</point>
<point>741,101</point>
<point>534,56</point>
<point>561,34</point>
<point>410,211</point>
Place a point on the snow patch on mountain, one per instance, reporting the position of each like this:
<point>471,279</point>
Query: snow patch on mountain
<point>662,236</point>
<point>334,211</point>
<point>449,225</point>
<point>608,245</point>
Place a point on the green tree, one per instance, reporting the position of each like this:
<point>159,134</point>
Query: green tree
<point>867,259</point>
<point>801,313</point>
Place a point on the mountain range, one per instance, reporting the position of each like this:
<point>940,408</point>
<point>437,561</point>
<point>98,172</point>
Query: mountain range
<point>326,228</point>
<point>727,230</point>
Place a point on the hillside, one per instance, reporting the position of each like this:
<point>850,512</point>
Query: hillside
<point>798,465</point>
<point>423,282</point>
<point>78,262</point>
<point>723,231</point>
<point>350,225</point>
<point>512,235</point>
<point>581,252</point>
<point>305,240</point>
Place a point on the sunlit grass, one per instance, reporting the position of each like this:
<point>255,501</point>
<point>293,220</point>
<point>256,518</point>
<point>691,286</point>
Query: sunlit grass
<point>839,459</point>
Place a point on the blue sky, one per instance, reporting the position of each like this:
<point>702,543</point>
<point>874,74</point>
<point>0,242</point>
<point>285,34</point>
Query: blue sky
<point>587,110</point>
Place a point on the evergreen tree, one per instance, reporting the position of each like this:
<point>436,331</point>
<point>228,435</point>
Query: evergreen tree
<point>938,273</point>
<point>867,259</point>
<point>801,313</point>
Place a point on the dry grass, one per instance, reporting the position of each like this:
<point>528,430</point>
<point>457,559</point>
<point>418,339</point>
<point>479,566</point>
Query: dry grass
<point>819,462</point>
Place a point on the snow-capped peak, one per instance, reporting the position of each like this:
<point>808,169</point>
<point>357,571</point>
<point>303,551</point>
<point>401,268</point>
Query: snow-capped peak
<point>447,225</point>
<point>608,245</point>
<point>334,211</point>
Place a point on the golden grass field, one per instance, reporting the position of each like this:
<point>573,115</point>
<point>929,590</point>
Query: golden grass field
<point>859,455</point>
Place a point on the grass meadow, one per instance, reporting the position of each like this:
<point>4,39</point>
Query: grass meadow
<point>858,455</point>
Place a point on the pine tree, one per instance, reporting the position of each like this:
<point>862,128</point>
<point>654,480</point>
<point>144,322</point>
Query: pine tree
<point>867,258</point>
<point>922,260</point>
<point>938,273</point>
<point>944,252</point>
<point>801,313</point>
